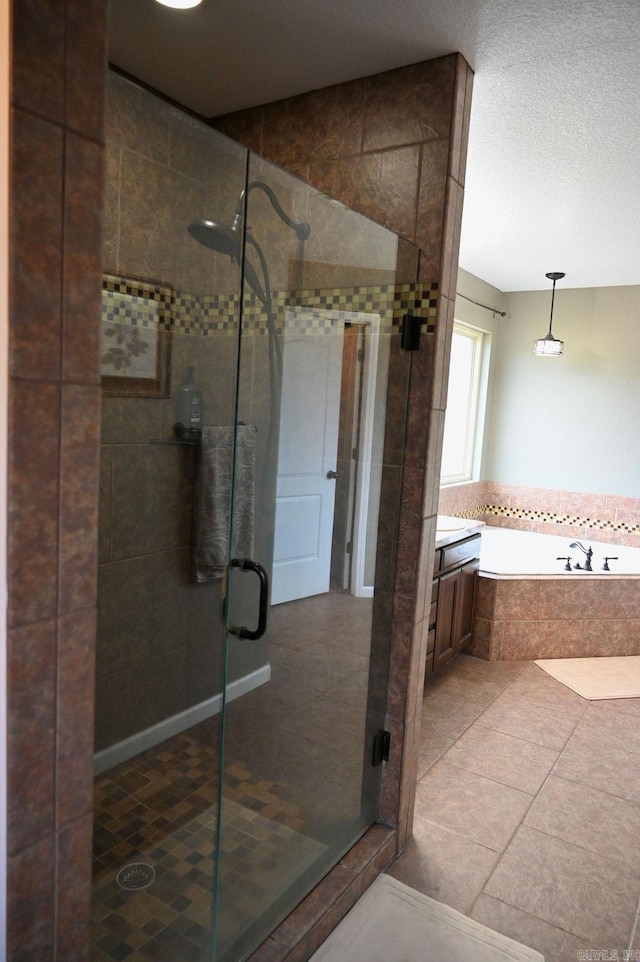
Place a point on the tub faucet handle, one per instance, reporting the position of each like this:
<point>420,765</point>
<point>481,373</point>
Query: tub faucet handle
<point>567,567</point>
<point>610,557</point>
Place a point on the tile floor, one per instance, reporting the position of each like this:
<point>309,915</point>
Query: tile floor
<point>528,809</point>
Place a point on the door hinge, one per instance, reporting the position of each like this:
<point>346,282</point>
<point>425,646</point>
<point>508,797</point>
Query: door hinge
<point>355,454</point>
<point>381,743</point>
<point>349,548</point>
<point>361,355</point>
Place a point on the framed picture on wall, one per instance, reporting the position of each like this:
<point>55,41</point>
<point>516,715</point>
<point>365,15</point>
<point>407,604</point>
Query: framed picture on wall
<point>135,336</point>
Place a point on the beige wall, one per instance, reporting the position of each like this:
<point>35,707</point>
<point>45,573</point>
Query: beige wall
<point>562,438</point>
<point>569,422</point>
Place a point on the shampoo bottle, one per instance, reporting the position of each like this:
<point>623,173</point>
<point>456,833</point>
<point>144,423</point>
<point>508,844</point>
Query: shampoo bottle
<point>189,408</point>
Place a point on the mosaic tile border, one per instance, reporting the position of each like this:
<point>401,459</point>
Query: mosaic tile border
<point>137,303</point>
<point>204,315</point>
<point>549,517</point>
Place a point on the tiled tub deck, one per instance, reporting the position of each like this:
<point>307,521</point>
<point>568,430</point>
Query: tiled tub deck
<point>552,613</point>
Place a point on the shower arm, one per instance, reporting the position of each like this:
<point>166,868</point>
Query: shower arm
<point>265,296</point>
<point>301,231</point>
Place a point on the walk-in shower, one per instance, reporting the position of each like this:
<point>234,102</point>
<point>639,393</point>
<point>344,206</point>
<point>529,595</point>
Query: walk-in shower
<point>234,768</point>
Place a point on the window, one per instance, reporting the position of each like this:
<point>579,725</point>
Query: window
<point>465,405</point>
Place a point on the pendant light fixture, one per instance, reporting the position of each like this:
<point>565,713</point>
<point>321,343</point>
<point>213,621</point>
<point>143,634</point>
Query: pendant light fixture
<point>550,346</point>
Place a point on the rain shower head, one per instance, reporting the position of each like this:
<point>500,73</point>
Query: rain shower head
<point>217,237</point>
<point>227,240</point>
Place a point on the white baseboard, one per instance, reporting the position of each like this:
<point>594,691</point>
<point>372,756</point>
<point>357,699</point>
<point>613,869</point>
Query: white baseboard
<point>363,591</point>
<point>130,747</point>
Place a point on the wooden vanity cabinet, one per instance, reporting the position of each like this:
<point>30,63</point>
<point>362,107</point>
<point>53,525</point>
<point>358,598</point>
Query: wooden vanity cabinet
<point>455,573</point>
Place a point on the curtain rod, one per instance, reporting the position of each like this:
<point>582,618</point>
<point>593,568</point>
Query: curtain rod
<point>493,310</point>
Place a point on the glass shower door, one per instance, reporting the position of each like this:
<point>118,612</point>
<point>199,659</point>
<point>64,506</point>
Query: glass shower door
<point>234,754</point>
<point>298,785</point>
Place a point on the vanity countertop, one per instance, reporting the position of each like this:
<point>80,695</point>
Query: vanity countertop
<point>452,529</point>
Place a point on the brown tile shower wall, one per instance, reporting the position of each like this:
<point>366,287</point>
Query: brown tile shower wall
<point>393,146</point>
<point>152,661</point>
<point>601,517</point>
<point>56,209</point>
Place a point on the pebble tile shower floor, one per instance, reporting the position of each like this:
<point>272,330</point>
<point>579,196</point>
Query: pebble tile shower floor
<point>284,797</point>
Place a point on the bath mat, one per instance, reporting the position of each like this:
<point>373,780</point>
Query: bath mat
<point>394,923</point>
<point>596,678</point>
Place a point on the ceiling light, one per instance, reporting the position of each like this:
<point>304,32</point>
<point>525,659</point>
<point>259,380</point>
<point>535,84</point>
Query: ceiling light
<point>179,4</point>
<point>550,346</point>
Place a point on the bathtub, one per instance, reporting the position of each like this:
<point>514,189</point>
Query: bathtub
<point>508,553</point>
<point>528,606</point>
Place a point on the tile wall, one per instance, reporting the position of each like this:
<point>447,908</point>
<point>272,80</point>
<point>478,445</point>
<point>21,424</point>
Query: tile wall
<point>528,619</point>
<point>602,517</point>
<point>59,53</point>
<point>556,618</point>
<point>159,658</point>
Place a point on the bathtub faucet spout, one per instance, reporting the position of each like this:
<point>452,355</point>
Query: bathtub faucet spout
<point>588,552</point>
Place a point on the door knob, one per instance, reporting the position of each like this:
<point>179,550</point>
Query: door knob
<point>332,475</point>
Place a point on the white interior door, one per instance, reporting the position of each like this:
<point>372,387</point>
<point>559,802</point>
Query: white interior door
<point>307,455</point>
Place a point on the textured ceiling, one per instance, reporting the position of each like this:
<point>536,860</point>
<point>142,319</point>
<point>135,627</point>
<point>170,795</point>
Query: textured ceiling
<point>553,174</point>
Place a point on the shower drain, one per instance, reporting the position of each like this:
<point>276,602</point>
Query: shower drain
<point>135,876</point>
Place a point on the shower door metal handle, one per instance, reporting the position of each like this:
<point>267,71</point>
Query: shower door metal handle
<point>246,564</point>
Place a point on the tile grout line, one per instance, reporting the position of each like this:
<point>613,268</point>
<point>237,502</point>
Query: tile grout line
<point>468,726</point>
<point>551,772</point>
<point>533,797</point>
<point>633,929</point>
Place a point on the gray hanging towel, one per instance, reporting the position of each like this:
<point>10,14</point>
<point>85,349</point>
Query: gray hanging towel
<point>214,490</point>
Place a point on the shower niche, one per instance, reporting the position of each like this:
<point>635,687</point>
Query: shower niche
<point>246,558</point>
